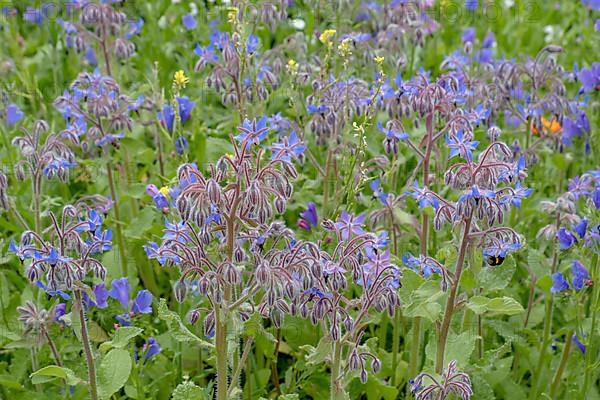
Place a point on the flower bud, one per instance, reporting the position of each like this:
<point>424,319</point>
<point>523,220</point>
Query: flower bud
<point>376,365</point>
<point>180,290</point>
<point>194,316</point>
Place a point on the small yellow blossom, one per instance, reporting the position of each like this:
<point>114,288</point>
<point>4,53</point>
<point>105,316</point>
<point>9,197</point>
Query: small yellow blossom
<point>164,190</point>
<point>232,15</point>
<point>345,47</point>
<point>326,36</point>
<point>180,80</point>
<point>292,66</point>
<point>379,60</point>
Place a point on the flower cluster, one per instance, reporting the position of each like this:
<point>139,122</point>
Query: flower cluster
<point>65,260</point>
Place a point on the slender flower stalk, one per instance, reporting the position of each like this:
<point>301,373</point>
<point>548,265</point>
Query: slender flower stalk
<point>594,306</point>
<point>451,302</point>
<point>562,365</point>
<point>87,347</point>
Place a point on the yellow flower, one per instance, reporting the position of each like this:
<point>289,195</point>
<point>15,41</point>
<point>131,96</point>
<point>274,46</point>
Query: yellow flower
<point>326,36</point>
<point>379,60</point>
<point>232,15</point>
<point>164,190</point>
<point>180,80</point>
<point>292,66</point>
<point>344,47</point>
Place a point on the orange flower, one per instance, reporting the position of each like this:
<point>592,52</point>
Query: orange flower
<point>549,127</point>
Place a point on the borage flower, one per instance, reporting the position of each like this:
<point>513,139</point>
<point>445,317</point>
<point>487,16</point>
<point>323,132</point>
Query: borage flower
<point>142,304</point>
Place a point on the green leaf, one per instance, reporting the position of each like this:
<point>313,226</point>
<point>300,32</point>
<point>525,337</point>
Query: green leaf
<point>537,263</point>
<point>498,305</point>
<point>189,391</point>
<point>177,329</point>
<point>316,355</point>
<point>52,372</point>
<point>377,389</point>
<point>113,372</point>
<point>121,338</point>
<point>498,277</point>
<point>423,301</point>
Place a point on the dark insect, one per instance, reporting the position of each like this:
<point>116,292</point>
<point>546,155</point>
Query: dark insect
<point>495,260</point>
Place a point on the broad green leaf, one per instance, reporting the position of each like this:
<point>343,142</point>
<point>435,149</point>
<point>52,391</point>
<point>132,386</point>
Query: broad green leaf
<point>177,329</point>
<point>113,372</point>
<point>423,301</point>
<point>121,338</point>
<point>377,389</point>
<point>316,355</point>
<point>498,305</point>
<point>52,372</point>
<point>498,277</point>
<point>537,263</point>
<point>189,391</point>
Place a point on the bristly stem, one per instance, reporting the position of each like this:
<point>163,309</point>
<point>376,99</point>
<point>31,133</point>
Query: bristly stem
<point>591,349</point>
<point>118,229</point>
<point>53,348</point>
<point>335,370</point>
<point>547,324</point>
<point>563,363</point>
<point>87,348</point>
<point>450,304</point>
<point>416,338</point>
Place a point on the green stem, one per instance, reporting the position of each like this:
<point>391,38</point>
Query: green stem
<point>563,363</point>
<point>118,229</point>
<point>87,348</point>
<point>415,348</point>
<point>547,325</point>
<point>544,346</point>
<point>221,353</point>
<point>450,304</point>
<point>594,307</point>
<point>395,345</point>
<point>335,371</point>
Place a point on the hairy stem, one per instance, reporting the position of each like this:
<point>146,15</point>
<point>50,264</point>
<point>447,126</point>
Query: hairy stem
<point>547,325</point>
<point>335,371</point>
<point>594,306</point>
<point>118,229</point>
<point>450,304</point>
<point>87,348</point>
<point>563,363</point>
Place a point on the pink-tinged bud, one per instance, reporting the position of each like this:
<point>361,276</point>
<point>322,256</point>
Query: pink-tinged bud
<point>354,360</point>
<point>214,191</point>
<point>152,190</point>
<point>271,298</point>
<point>335,332</point>
<point>180,290</point>
<point>376,365</point>
<point>32,274</point>
<point>262,274</point>
<point>203,285</point>
<point>244,316</point>
<point>280,205</point>
<point>277,317</point>
<point>231,274</point>
<point>283,306</point>
<point>363,376</point>
<point>209,324</point>
<point>303,311</point>
<point>348,323</point>
<point>194,316</point>
<point>239,254</point>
